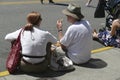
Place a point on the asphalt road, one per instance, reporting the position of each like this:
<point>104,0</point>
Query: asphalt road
<point>13,16</point>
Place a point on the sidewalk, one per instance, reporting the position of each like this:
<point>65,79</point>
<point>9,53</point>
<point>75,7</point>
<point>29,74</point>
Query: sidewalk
<point>103,66</point>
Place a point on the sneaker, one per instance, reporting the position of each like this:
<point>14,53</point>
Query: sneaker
<point>58,66</point>
<point>64,61</point>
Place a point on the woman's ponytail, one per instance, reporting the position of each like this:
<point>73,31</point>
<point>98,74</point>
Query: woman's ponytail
<point>33,19</point>
<point>29,27</point>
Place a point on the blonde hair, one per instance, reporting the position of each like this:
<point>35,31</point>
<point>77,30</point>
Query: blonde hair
<point>33,19</point>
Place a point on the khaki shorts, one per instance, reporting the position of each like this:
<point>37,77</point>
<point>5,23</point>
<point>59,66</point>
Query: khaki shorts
<point>39,67</point>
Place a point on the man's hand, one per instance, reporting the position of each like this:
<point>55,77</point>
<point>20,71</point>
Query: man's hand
<point>59,24</point>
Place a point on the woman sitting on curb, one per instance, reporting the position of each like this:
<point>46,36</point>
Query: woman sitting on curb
<point>109,38</point>
<point>35,43</point>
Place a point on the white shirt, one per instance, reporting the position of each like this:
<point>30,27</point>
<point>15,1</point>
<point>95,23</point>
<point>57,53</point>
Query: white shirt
<point>78,39</point>
<point>33,43</point>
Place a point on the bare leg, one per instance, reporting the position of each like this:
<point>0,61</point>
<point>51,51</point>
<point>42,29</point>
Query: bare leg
<point>95,37</point>
<point>95,34</point>
<point>115,25</point>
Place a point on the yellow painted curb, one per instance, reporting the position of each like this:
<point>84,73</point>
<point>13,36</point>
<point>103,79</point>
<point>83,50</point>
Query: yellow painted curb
<point>101,49</point>
<point>4,73</point>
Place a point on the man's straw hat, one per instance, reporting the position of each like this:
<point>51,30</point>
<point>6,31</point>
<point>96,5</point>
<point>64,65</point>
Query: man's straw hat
<point>74,11</point>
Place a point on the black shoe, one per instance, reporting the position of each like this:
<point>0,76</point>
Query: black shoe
<point>41,1</point>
